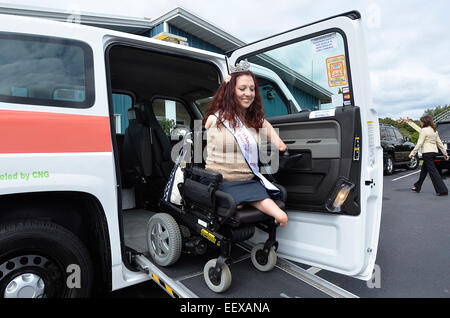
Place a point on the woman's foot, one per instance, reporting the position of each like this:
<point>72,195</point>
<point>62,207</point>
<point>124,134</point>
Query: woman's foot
<point>282,220</point>
<point>442,194</point>
<point>415,189</point>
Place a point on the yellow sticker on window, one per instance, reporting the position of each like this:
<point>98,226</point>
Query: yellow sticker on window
<point>336,71</point>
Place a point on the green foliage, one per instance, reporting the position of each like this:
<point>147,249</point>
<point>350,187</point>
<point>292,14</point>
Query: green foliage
<point>434,112</point>
<point>405,129</point>
<point>167,125</point>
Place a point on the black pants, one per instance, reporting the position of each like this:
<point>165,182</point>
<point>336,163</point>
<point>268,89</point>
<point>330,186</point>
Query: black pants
<point>428,166</point>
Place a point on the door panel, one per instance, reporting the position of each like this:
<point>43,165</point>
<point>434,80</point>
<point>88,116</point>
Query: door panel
<point>335,190</point>
<point>327,145</point>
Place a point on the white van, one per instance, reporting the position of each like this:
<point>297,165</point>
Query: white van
<point>73,212</point>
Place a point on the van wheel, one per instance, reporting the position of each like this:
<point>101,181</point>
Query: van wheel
<point>389,169</point>
<point>43,260</point>
<point>413,163</point>
<point>164,239</point>
<point>262,262</point>
<point>225,278</point>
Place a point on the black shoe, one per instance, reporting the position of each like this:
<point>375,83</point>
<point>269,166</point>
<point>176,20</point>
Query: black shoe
<point>442,194</point>
<point>415,189</point>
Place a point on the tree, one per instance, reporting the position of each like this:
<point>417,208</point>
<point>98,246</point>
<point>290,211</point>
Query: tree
<point>434,112</point>
<point>167,125</point>
<point>405,129</point>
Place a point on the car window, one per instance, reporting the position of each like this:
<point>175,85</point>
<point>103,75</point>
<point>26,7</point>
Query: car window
<point>383,133</point>
<point>391,134</point>
<point>202,104</point>
<point>398,134</point>
<point>444,131</point>
<point>46,71</point>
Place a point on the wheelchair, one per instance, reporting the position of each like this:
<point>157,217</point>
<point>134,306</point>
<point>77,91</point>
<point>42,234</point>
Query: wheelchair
<point>200,222</point>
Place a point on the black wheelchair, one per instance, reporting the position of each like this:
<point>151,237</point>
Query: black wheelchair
<point>200,221</point>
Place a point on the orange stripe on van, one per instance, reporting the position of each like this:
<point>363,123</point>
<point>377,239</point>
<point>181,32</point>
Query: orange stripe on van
<point>36,132</point>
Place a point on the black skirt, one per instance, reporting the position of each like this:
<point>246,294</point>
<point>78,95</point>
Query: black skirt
<point>242,191</point>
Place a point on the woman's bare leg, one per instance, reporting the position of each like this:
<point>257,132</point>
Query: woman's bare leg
<point>269,207</point>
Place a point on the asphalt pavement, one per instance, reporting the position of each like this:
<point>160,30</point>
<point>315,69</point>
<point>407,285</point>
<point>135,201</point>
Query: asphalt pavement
<point>413,253</point>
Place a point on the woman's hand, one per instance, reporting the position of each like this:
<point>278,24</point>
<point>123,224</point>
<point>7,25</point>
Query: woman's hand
<point>446,157</point>
<point>410,156</point>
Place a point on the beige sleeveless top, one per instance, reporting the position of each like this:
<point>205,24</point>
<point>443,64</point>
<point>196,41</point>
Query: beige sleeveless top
<point>224,155</point>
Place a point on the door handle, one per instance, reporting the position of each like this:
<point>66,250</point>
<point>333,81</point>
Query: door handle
<point>316,141</point>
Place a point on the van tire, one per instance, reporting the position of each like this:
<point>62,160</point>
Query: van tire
<point>54,257</point>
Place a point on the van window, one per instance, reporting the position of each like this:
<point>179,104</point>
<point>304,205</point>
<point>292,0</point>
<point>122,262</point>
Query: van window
<point>121,104</point>
<point>315,70</point>
<point>273,102</point>
<point>172,116</point>
<point>46,71</point>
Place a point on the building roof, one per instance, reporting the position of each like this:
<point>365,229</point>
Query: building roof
<point>193,24</point>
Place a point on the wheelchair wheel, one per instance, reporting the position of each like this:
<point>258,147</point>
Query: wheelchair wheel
<point>225,277</point>
<point>164,239</point>
<point>260,261</point>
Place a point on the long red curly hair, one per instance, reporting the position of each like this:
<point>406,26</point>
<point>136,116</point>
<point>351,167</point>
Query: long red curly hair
<point>227,105</point>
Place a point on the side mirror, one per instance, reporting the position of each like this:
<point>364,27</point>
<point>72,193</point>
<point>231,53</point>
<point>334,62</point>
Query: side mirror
<point>407,139</point>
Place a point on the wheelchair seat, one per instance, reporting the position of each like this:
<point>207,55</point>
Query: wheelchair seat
<point>248,215</point>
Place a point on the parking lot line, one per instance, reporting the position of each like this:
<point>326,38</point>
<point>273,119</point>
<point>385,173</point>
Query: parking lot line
<point>410,174</point>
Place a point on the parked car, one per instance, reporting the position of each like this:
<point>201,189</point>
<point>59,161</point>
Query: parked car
<point>443,129</point>
<point>396,149</point>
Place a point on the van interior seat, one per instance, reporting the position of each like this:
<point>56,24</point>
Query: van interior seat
<point>161,145</point>
<point>137,151</point>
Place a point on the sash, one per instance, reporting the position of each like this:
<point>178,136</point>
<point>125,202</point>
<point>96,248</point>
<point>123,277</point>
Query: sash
<point>249,148</point>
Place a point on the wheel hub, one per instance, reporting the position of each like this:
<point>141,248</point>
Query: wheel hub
<point>24,277</point>
<point>26,285</point>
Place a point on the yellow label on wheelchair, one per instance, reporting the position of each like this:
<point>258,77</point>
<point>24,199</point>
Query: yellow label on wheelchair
<point>210,237</point>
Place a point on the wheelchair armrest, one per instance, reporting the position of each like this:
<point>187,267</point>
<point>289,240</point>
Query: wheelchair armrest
<point>213,176</point>
<point>232,204</point>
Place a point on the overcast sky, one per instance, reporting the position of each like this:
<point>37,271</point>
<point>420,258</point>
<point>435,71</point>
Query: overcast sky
<point>408,41</point>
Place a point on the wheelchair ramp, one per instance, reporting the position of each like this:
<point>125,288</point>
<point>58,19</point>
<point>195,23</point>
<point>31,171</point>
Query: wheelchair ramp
<point>286,280</point>
<point>185,277</point>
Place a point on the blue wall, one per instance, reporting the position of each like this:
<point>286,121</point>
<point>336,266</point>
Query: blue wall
<point>304,100</point>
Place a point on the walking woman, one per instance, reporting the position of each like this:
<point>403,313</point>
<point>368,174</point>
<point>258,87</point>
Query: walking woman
<point>429,141</point>
<point>234,120</point>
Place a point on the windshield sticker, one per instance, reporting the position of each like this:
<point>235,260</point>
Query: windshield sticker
<point>336,71</point>
<point>324,42</point>
<point>322,113</point>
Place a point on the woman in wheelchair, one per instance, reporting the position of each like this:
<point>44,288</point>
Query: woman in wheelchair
<point>238,102</point>
<point>213,198</point>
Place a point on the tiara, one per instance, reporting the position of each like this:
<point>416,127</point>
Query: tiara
<point>242,66</point>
